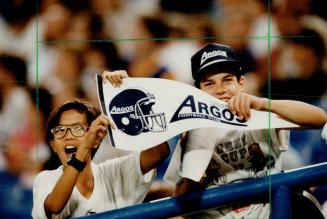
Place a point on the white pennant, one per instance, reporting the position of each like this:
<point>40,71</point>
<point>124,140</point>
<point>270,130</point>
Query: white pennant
<point>148,111</point>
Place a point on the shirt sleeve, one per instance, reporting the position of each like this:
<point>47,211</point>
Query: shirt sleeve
<point>203,138</point>
<point>198,152</point>
<point>42,187</point>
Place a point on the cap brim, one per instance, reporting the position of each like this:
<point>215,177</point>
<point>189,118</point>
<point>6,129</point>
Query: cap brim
<point>230,66</point>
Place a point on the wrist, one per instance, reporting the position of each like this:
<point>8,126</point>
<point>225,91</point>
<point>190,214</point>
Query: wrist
<point>76,163</point>
<point>265,105</point>
<point>82,154</point>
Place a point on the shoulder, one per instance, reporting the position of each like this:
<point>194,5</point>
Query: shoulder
<point>48,175</point>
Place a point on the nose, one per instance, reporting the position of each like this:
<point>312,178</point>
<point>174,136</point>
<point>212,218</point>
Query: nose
<point>68,134</point>
<point>219,89</point>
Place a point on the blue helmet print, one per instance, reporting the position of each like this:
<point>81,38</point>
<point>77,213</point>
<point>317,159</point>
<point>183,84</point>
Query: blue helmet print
<point>132,112</point>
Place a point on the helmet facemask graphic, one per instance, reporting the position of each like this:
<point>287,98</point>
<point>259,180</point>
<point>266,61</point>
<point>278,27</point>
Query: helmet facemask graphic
<point>154,122</point>
<point>132,112</point>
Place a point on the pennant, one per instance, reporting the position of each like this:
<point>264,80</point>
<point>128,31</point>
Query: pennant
<point>148,111</point>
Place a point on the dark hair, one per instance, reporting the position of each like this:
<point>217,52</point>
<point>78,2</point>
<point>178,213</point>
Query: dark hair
<point>42,99</point>
<point>156,27</point>
<point>310,38</point>
<point>91,114</point>
<point>15,66</point>
<point>215,70</point>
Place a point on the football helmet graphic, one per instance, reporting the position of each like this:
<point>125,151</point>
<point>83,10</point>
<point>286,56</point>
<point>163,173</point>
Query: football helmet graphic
<point>132,112</point>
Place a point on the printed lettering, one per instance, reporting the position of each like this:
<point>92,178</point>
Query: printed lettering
<point>229,146</point>
<point>126,109</point>
<point>203,108</point>
<point>233,156</point>
<point>215,111</point>
<point>244,140</point>
<point>237,143</point>
<point>207,55</point>
<point>190,108</point>
<point>187,103</point>
<point>242,152</point>
<point>227,114</point>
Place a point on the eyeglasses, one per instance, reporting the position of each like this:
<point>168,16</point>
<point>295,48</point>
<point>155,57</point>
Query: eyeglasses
<point>76,130</point>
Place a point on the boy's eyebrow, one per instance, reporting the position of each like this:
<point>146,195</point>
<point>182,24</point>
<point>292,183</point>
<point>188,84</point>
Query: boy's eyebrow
<point>228,75</point>
<point>208,79</point>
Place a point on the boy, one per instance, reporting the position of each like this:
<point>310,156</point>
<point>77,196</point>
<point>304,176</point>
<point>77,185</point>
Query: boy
<point>237,154</point>
<point>80,187</point>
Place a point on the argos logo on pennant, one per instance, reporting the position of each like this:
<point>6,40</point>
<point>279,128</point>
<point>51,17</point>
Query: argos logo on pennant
<point>132,112</point>
<point>190,108</point>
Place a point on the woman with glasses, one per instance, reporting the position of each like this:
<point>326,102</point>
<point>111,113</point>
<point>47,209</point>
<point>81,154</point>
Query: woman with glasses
<point>80,187</point>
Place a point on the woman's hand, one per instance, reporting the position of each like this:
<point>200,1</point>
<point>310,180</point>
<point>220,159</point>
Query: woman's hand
<point>97,131</point>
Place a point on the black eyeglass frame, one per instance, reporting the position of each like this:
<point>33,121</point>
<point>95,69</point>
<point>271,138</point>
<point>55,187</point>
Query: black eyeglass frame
<point>71,129</point>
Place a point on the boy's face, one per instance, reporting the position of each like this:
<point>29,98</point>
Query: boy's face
<point>222,85</point>
<point>69,134</point>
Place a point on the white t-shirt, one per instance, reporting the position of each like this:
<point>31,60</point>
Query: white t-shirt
<point>117,183</point>
<point>234,155</point>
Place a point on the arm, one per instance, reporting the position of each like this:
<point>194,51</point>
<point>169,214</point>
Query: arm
<point>185,186</point>
<point>152,157</point>
<point>59,196</point>
<point>301,113</point>
<point>304,114</point>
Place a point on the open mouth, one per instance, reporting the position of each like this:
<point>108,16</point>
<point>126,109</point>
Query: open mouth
<point>69,149</point>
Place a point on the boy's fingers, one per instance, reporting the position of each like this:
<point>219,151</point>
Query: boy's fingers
<point>231,106</point>
<point>114,81</point>
<point>104,76</point>
<point>238,106</point>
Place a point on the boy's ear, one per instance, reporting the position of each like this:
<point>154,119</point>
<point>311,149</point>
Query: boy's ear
<point>241,81</point>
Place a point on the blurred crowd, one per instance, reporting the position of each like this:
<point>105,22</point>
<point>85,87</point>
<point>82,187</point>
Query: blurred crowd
<point>51,50</point>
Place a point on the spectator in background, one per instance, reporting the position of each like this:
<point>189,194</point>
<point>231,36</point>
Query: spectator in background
<point>98,57</point>
<point>54,23</point>
<point>84,26</point>
<point>13,95</point>
<point>64,82</point>
<point>176,53</point>
<point>300,75</point>
<point>235,22</point>
<point>17,28</point>
<point>26,150</point>
<point>145,61</point>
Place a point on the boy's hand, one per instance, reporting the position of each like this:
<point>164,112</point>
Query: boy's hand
<point>241,103</point>
<point>114,77</point>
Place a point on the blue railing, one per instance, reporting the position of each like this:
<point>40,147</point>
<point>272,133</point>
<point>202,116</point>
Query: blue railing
<point>277,186</point>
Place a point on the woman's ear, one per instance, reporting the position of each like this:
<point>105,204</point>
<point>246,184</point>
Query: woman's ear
<point>53,146</point>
